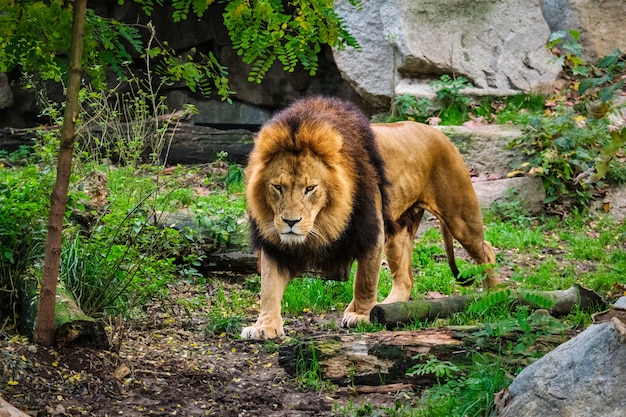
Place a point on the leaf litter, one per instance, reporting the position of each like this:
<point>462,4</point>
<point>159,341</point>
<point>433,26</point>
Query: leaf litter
<point>166,364</point>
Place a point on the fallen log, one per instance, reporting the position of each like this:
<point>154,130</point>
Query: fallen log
<point>562,302</point>
<point>71,324</point>
<point>187,143</point>
<point>381,358</point>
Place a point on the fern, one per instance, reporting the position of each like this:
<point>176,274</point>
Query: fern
<point>263,32</point>
<point>432,366</point>
<point>490,300</point>
<point>538,299</point>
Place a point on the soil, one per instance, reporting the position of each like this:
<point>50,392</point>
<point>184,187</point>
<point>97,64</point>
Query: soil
<point>168,364</point>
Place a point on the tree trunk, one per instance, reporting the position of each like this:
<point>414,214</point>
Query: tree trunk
<point>44,325</point>
<point>71,324</point>
<point>385,357</point>
<point>563,301</point>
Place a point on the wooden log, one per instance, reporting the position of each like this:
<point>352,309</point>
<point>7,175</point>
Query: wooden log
<point>563,301</point>
<point>190,144</point>
<point>405,312</point>
<point>382,358</point>
<point>193,144</point>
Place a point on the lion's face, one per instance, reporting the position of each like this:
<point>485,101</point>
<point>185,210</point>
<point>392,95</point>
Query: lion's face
<point>302,196</point>
<point>296,192</point>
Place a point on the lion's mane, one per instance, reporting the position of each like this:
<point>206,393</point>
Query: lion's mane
<point>341,136</point>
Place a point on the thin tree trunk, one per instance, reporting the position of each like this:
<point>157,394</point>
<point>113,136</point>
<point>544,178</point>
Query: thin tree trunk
<point>44,325</point>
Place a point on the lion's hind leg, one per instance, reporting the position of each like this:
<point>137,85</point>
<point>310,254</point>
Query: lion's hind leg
<point>469,232</point>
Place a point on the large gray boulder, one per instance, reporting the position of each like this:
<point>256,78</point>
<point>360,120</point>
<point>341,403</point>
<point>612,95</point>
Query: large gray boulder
<point>498,45</point>
<point>584,377</point>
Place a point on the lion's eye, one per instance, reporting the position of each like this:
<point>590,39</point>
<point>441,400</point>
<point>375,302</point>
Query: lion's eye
<point>278,188</point>
<point>309,189</point>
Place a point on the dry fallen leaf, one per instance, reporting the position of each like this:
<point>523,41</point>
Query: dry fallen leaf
<point>121,372</point>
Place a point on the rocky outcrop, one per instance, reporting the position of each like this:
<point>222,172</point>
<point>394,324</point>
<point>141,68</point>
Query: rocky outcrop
<point>499,45</point>
<point>583,377</point>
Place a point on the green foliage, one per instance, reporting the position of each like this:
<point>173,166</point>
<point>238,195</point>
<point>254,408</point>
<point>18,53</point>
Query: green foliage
<point>265,31</point>
<point>571,51</point>
<point>18,157</point>
<point>606,78</point>
<point>35,37</point>
<point>409,107</point>
<point>218,214</point>
<point>25,41</point>
<point>491,300</point>
<point>308,373</point>
<point>456,108</point>
<point>560,147</point>
<point>24,205</point>
<point>572,148</point>
<point>454,105</point>
<point>471,394</point>
<point>432,366</point>
<point>315,294</point>
<point>354,410</point>
<point>224,324</point>
<point>201,72</point>
<point>126,260</point>
<point>364,327</point>
<point>517,109</point>
<point>603,167</point>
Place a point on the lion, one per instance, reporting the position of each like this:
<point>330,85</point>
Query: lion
<point>325,188</point>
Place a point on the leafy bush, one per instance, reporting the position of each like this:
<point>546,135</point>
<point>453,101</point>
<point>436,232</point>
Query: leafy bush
<point>560,147</point>
<point>572,147</point>
<point>24,205</point>
<point>454,105</point>
<point>408,107</point>
<point>120,267</point>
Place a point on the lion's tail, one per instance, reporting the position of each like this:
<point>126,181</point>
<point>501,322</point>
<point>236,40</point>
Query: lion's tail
<point>449,246</point>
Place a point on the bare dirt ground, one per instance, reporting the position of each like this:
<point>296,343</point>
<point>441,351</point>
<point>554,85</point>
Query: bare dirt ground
<point>168,364</point>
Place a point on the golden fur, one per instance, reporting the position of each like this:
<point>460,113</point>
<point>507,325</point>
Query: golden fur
<point>324,188</point>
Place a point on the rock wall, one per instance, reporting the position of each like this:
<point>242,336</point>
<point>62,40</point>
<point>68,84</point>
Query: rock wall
<point>499,45</point>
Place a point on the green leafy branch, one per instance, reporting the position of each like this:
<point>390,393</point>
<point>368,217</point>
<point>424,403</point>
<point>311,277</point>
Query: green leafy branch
<point>265,31</point>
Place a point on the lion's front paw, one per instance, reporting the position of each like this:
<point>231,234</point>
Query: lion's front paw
<point>351,319</point>
<point>262,332</point>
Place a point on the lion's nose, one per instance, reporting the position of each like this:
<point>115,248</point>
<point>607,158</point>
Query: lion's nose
<point>291,223</point>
